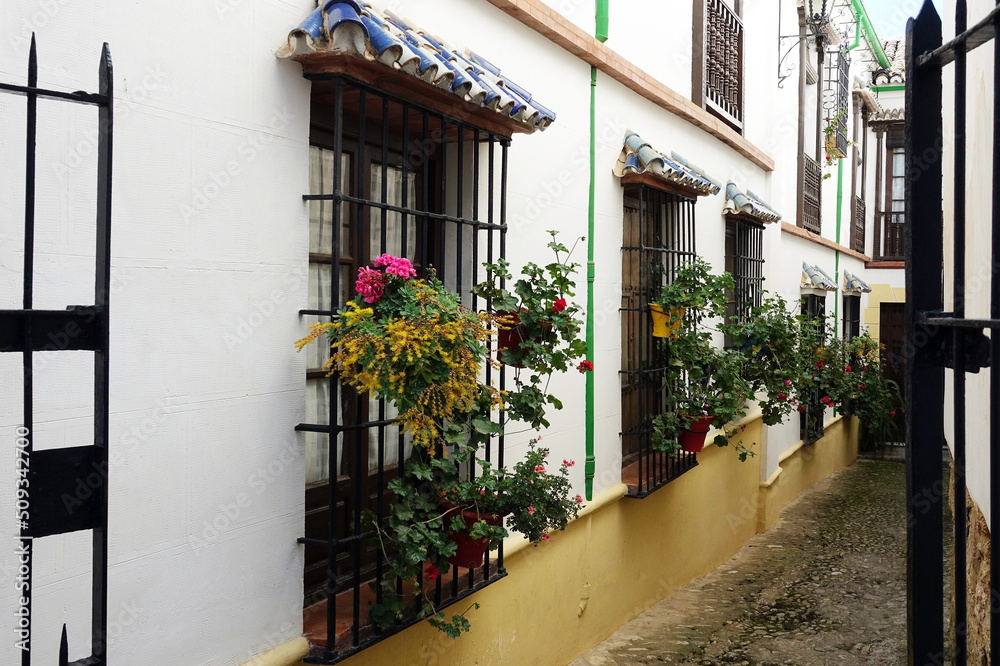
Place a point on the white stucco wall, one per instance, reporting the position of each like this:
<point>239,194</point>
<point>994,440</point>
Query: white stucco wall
<point>980,265</point>
<point>209,236</point>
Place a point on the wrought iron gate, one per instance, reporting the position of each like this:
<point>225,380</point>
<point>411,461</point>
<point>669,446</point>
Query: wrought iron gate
<point>46,477</point>
<point>935,340</point>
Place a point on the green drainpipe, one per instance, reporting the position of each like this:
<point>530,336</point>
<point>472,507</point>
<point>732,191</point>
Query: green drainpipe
<point>590,467</point>
<point>865,22</point>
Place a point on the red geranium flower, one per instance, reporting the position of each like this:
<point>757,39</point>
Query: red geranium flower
<point>432,572</point>
<point>559,305</point>
<point>585,366</point>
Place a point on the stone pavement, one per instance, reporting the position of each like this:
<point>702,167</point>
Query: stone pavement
<point>826,585</point>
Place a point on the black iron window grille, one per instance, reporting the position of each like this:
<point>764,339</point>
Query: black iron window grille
<point>745,262</point>
<point>386,175</point>
<point>836,99</point>
<point>718,59</point>
<point>659,237</point>
<point>852,317</point>
<point>812,175</point>
<point>811,420</point>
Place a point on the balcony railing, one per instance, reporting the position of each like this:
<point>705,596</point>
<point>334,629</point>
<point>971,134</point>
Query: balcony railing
<point>724,62</point>
<point>812,175</point>
<point>891,226</point>
<point>858,231</point>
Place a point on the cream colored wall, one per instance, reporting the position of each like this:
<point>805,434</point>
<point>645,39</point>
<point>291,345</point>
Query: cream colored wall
<point>881,293</point>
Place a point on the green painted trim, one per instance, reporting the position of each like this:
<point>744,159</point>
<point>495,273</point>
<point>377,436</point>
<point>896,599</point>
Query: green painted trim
<point>893,88</point>
<point>857,33</point>
<point>873,40</point>
<point>836,256</point>
<point>590,467</point>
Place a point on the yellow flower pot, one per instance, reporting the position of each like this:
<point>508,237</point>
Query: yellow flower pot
<point>662,326</point>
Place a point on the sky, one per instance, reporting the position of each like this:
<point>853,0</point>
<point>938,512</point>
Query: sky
<point>889,16</point>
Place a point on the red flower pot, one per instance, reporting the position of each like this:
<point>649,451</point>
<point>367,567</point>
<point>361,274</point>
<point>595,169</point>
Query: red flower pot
<point>470,552</point>
<point>511,338</point>
<point>692,439</point>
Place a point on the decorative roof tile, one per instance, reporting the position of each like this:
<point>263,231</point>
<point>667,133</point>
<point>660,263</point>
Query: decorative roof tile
<point>637,156</point>
<point>748,204</point>
<point>889,115</point>
<point>895,51</point>
<point>855,285</point>
<point>361,30</point>
<point>815,279</point>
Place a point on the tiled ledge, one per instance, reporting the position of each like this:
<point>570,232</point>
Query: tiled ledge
<point>820,240</point>
<point>548,22</point>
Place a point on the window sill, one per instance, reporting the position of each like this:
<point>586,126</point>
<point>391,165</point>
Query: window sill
<point>314,626</point>
<point>885,264</point>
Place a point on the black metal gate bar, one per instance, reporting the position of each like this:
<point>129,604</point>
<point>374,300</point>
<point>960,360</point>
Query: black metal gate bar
<point>925,383</point>
<point>958,346</point>
<point>938,339</point>
<point>47,476</point>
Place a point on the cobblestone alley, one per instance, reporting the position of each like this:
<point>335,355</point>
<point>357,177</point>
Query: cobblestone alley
<point>826,585</point>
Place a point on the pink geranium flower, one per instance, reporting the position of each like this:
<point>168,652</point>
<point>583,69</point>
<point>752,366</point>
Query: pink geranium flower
<point>396,266</point>
<point>370,284</point>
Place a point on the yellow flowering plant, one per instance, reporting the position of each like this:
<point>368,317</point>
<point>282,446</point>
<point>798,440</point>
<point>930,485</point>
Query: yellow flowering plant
<point>411,342</point>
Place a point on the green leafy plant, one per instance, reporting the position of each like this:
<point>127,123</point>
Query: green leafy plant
<point>546,325</point>
<point>701,379</point>
<point>411,342</point>
<point>430,495</point>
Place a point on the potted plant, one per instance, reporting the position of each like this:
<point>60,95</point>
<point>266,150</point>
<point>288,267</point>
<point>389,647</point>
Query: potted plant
<point>411,342</point>
<point>539,328</point>
<point>705,385</point>
<point>444,345</point>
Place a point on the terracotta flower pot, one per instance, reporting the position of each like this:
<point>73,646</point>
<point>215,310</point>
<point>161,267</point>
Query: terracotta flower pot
<point>470,552</point>
<point>511,338</point>
<point>662,328</point>
<point>692,439</point>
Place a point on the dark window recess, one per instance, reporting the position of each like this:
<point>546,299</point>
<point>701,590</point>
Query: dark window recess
<point>745,262</point>
<point>812,175</point>
<point>852,317</point>
<point>658,238</point>
<point>811,420</point>
<point>895,190</point>
<point>376,185</point>
<point>836,95</point>
<point>718,60</point>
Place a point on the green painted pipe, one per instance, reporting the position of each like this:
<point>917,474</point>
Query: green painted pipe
<point>590,467</point>
<point>602,21</point>
<point>862,14</point>
<point>893,88</point>
<point>836,260</point>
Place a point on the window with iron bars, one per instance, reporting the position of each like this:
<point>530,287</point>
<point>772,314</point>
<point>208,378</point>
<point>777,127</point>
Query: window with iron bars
<point>386,175</point>
<point>717,73</point>
<point>852,317</point>
<point>811,420</point>
<point>836,97</point>
<point>745,262</point>
<point>659,237</point>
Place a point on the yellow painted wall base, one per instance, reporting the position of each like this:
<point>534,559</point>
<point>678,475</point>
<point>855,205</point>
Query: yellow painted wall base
<point>614,562</point>
<point>803,466</point>
<point>285,654</point>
